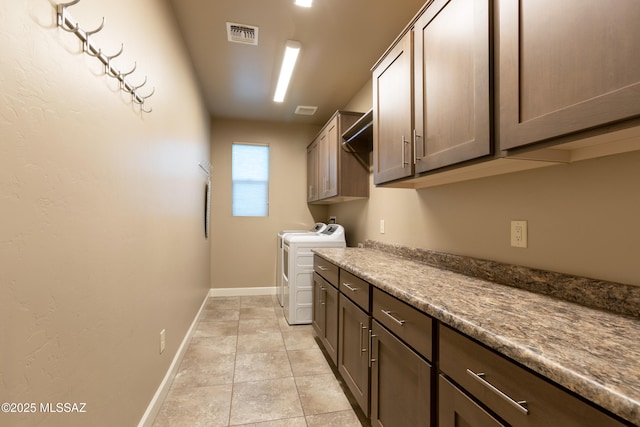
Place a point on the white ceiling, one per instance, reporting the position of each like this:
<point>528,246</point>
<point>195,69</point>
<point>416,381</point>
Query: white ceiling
<point>341,40</point>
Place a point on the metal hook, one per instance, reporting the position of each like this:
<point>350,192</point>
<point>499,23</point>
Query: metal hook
<point>123,75</point>
<point>148,96</point>
<point>134,88</point>
<point>65,5</point>
<point>140,99</point>
<point>146,111</point>
<point>108,59</point>
<point>86,46</point>
<point>60,8</point>
<point>72,29</point>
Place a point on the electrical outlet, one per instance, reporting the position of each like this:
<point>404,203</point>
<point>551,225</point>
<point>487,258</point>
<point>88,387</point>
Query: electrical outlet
<point>382,226</point>
<point>332,220</point>
<point>519,234</point>
<point>163,340</point>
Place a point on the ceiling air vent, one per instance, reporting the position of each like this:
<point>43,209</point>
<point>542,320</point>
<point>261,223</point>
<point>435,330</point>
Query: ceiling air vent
<point>241,33</point>
<point>305,110</point>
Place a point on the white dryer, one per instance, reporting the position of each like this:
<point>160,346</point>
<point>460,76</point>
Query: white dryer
<point>297,270</point>
<point>317,228</point>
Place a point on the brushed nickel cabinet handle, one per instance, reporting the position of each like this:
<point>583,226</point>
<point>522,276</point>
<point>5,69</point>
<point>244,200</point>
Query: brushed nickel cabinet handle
<point>371,359</point>
<point>348,286</point>
<point>404,160</point>
<point>322,267</point>
<point>363,328</point>
<point>415,147</point>
<point>398,321</point>
<point>519,405</point>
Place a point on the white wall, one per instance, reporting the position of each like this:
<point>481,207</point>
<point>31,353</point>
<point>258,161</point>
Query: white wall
<point>101,241</point>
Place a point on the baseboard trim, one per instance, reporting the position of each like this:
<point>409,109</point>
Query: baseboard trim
<point>156,403</point>
<point>242,292</point>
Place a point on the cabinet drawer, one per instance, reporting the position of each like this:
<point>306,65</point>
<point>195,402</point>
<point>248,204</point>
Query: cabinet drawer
<point>326,269</point>
<point>356,289</point>
<point>501,384</point>
<point>456,408</point>
<point>412,326</point>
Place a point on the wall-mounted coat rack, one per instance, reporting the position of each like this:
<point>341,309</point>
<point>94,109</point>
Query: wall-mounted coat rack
<point>67,23</point>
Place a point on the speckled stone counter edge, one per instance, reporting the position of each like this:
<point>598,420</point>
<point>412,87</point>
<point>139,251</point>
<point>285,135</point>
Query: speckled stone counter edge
<point>611,296</point>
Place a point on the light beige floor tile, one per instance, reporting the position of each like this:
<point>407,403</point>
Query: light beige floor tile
<point>258,401</point>
<point>247,339</point>
<point>216,329</point>
<point>287,422</point>
<point>205,368</point>
<point>260,343</point>
<point>258,326</point>
<point>299,340</point>
<point>320,394</point>
<point>257,313</point>
<point>213,315</point>
<point>334,419</point>
<point>286,327</point>
<point>256,301</point>
<point>308,362</point>
<point>196,407</point>
<point>261,366</point>
<point>223,303</point>
<point>215,345</point>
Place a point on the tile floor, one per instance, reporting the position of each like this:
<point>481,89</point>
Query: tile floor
<point>245,366</point>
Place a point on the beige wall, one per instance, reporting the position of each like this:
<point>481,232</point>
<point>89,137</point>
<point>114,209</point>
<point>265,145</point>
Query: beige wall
<point>243,249</point>
<point>101,241</point>
<point>581,217</point>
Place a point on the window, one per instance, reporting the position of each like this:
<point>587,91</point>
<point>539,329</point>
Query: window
<point>250,178</point>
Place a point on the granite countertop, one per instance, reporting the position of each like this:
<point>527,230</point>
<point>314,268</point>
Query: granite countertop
<point>592,352</point>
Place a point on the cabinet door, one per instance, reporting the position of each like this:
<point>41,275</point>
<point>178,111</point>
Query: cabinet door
<point>392,114</point>
<point>455,409</point>
<point>312,172</point>
<point>323,163</point>
<point>566,66</point>
<point>325,315</point>
<point>330,159</point>
<point>318,319</point>
<point>452,83</point>
<point>331,323</point>
<point>353,359</point>
<point>400,383</point>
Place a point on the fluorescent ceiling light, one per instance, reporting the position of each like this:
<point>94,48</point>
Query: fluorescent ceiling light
<point>288,63</point>
<point>303,3</point>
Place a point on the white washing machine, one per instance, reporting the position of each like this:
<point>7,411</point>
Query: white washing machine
<point>317,228</point>
<point>297,270</point>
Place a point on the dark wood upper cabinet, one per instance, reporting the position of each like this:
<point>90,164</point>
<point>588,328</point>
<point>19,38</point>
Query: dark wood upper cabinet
<point>333,173</point>
<point>452,40</point>
<point>566,66</point>
<point>392,113</point>
<point>431,92</point>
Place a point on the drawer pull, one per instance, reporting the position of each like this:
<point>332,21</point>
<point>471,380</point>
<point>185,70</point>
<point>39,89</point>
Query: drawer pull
<point>521,405</point>
<point>322,267</point>
<point>348,286</point>
<point>388,313</point>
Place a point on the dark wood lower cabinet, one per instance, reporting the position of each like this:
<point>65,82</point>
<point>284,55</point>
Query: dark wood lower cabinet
<point>401,383</point>
<point>353,354</point>
<point>325,315</point>
<point>455,409</point>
